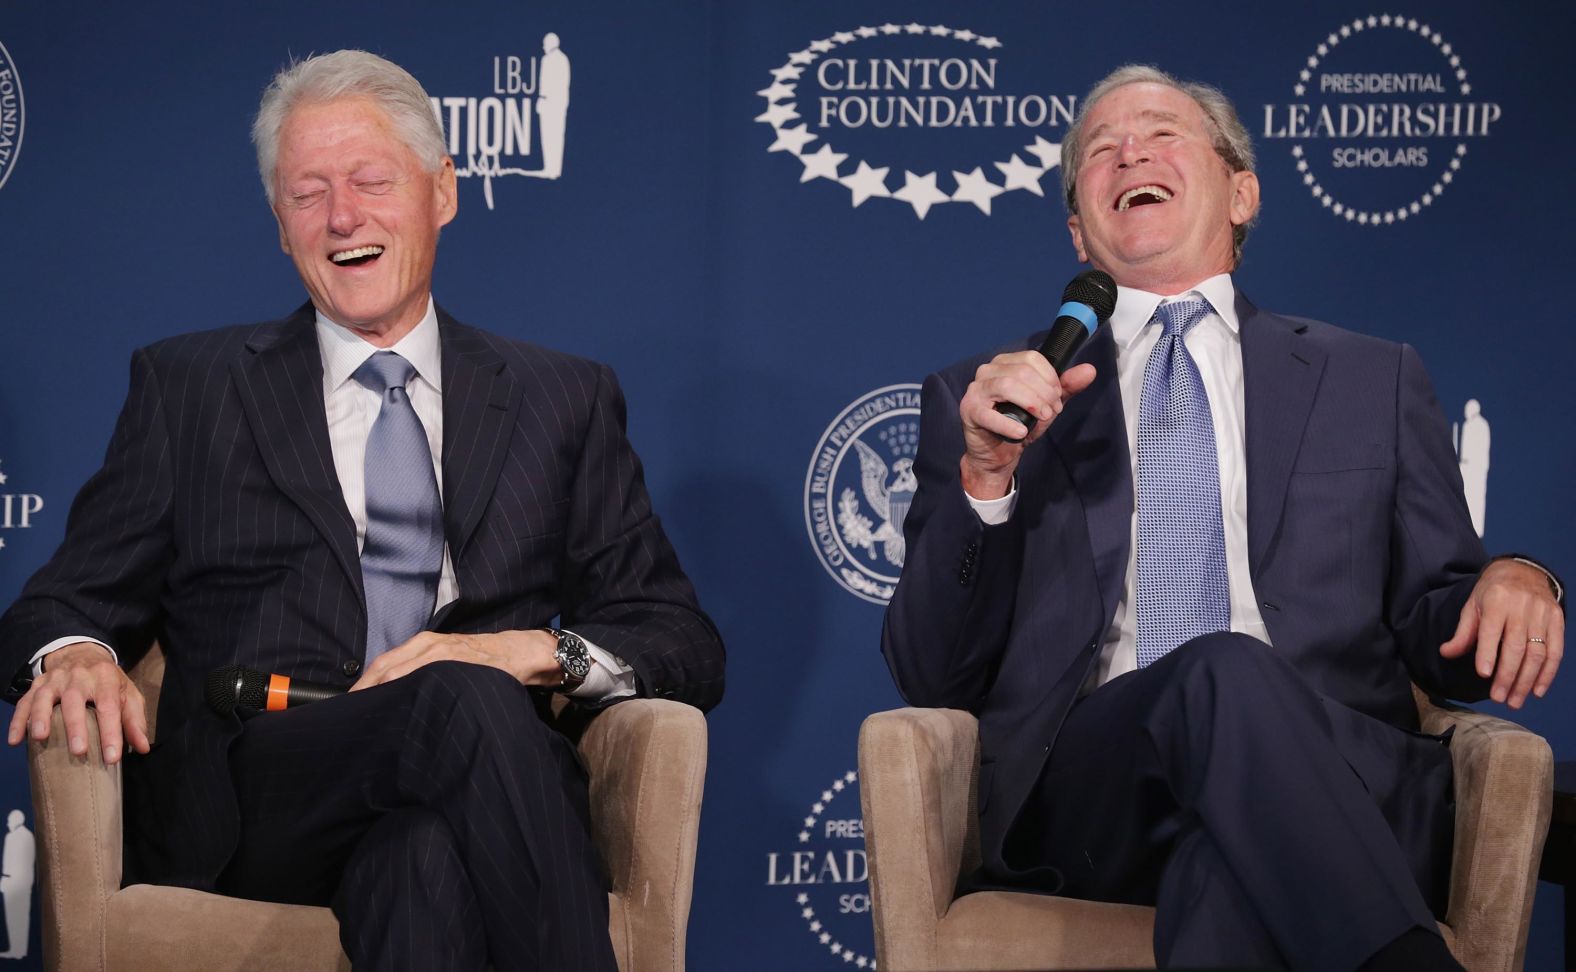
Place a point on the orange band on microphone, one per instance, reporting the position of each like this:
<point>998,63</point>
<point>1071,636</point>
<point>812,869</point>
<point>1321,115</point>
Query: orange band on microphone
<point>278,692</point>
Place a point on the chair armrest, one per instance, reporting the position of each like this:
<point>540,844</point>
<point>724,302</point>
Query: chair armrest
<point>919,772</point>
<point>1504,784</point>
<point>647,762</point>
<point>77,819</point>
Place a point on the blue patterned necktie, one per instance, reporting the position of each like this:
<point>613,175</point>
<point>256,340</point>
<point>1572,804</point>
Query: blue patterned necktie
<point>403,552</point>
<point>1182,589</point>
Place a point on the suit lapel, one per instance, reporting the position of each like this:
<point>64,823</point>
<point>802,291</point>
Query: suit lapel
<point>480,399</point>
<point>1280,372</point>
<point>281,389</point>
<point>1090,436</point>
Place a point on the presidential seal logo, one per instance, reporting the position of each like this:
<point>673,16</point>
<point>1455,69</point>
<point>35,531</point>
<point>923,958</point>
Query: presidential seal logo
<point>828,875</point>
<point>1383,115</point>
<point>17,509</point>
<point>928,101</point>
<point>859,488</point>
<point>13,115</point>
<point>518,129</point>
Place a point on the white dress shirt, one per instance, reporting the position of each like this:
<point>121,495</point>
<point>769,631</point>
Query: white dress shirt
<point>1216,345</point>
<point>352,408</point>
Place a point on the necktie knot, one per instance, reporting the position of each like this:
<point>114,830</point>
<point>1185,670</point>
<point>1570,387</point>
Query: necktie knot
<point>1179,316</point>
<point>385,370</point>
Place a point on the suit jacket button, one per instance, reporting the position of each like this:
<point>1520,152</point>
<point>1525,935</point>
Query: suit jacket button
<point>351,668</point>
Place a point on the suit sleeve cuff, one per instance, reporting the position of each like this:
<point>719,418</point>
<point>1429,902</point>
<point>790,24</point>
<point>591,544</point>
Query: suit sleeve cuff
<point>37,661</point>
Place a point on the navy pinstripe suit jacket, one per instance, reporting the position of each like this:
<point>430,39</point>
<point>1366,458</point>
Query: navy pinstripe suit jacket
<point>217,526</point>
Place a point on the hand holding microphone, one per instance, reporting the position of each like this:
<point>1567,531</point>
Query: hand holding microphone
<point>1013,395</point>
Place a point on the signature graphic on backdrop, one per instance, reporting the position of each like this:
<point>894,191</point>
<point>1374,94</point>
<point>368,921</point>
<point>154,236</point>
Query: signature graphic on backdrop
<point>18,856</point>
<point>1471,436</point>
<point>854,510</point>
<point>484,132</point>
<point>907,78</point>
<point>830,874</point>
<point>13,114</point>
<point>16,509</point>
<point>1382,119</point>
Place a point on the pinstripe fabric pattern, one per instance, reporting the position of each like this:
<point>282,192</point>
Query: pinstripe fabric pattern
<point>216,525</point>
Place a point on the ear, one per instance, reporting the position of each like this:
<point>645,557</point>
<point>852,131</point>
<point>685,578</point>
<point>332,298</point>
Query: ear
<point>1076,231</point>
<point>444,185</point>
<point>1244,197</point>
<point>284,241</point>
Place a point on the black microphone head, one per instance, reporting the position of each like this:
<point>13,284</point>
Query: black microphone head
<point>233,686</point>
<point>1094,288</point>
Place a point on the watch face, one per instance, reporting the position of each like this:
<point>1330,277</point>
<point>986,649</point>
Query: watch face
<point>573,656</point>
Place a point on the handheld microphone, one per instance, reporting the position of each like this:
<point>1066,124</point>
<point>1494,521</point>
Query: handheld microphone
<point>234,687</point>
<point>1086,304</point>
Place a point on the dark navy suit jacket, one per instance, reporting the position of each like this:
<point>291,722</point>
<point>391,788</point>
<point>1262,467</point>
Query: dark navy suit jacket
<point>1360,547</point>
<point>217,526</point>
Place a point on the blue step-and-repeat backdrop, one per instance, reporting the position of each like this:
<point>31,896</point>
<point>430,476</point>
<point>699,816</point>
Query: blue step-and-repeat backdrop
<point>774,219</point>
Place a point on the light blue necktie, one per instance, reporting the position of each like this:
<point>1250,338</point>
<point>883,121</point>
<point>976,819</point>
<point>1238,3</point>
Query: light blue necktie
<point>403,552</point>
<point>1182,588</point>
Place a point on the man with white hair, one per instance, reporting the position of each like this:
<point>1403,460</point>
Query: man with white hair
<point>368,493</point>
<point>1188,604</point>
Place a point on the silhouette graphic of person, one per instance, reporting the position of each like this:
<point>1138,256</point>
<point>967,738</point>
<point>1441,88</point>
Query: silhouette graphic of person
<point>16,883</point>
<point>552,106</point>
<point>1472,445</point>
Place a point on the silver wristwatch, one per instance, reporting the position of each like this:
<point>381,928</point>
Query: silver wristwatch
<point>573,657</point>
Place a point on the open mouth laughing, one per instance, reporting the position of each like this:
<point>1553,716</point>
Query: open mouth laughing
<point>360,256</point>
<point>1141,196</point>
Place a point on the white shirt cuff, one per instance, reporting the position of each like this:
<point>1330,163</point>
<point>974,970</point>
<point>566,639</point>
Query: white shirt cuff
<point>37,661</point>
<point>995,511</point>
<point>608,679</point>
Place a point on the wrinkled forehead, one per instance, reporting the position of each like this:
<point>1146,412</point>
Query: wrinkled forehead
<point>1144,102</point>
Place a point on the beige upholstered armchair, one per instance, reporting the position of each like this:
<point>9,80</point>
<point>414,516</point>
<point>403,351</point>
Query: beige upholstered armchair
<point>919,773</point>
<point>646,759</point>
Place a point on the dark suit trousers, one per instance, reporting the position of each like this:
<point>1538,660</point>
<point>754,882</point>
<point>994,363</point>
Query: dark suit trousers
<point>1268,825</point>
<point>441,818</point>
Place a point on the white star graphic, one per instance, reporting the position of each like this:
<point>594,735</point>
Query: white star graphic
<point>1447,178</point>
<point>1358,24</point>
<point>1049,153</point>
<point>1326,202</point>
<point>1346,31</point>
<point>807,913</point>
<point>864,183</point>
<point>1401,214</point>
<point>818,806</point>
<point>867,32</point>
<point>975,188</point>
<point>1415,208</point>
<point>1296,151</point>
<point>804,836</point>
<point>2,479</point>
<point>914,28</point>
<point>1373,21</point>
<point>1438,38</point>
<point>801,57</point>
<point>777,91</point>
<point>861,961</point>
<point>801,898</point>
<point>838,784</point>
<point>964,35</point>
<point>821,46</point>
<point>1018,174</point>
<point>1339,209</point>
<point>848,955</point>
<point>821,164</point>
<point>825,938</point>
<point>1424,30</point>
<point>1304,74</point>
<point>826,795</point>
<point>1445,50</point>
<point>1461,74</point>
<point>1389,218</point>
<point>920,192</point>
<point>1298,90</point>
<point>989,43</point>
<point>1363,218</point>
<point>843,37</point>
<point>777,114</point>
<point>1460,150</point>
<point>1385,20</point>
<point>890,28</point>
<point>940,31</point>
<point>787,73</point>
<point>1466,89</point>
<point>792,139</point>
<point>815,926</point>
<point>1439,190</point>
<point>1350,215</point>
<point>809,821</point>
<point>850,776</point>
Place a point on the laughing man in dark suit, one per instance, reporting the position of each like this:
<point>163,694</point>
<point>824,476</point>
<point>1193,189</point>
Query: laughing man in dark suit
<point>367,493</point>
<point>1187,611</point>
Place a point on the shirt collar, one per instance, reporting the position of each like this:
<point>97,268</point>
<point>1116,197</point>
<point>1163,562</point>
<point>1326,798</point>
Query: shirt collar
<point>1136,308</point>
<point>344,350</point>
